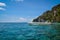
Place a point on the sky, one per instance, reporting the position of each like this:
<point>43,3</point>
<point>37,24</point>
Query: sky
<point>24,10</point>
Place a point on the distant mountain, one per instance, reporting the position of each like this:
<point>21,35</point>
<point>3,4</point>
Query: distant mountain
<point>52,15</point>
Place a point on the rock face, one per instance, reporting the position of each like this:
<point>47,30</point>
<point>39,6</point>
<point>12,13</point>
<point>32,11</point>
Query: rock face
<point>50,15</point>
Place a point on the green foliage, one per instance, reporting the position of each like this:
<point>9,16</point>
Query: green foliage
<point>49,15</point>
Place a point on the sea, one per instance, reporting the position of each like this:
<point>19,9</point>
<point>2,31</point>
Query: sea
<point>25,31</point>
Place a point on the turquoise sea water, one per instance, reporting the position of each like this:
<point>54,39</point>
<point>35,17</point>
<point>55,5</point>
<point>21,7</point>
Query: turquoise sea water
<point>24,31</point>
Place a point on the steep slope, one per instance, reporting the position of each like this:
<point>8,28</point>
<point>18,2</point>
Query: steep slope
<point>50,15</point>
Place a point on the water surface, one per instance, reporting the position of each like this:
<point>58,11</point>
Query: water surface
<point>24,31</point>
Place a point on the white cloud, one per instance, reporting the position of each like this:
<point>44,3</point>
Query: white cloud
<point>15,19</point>
<point>2,8</point>
<point>21,19</point>
<point>2,4</point>
<point>19,0</point>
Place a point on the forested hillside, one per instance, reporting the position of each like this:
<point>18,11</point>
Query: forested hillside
<point>52,15</point>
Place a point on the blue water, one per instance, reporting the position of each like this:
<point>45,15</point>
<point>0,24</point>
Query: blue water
<point>24,31</point>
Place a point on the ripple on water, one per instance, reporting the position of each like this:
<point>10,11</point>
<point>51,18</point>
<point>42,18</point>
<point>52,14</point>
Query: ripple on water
<point>23,31</point>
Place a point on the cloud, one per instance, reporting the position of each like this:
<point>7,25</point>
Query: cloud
<point>2,4</point>
<point>2,8</point>
<point>15,19</point>
<point>19,0</point>
<point>21,19</point>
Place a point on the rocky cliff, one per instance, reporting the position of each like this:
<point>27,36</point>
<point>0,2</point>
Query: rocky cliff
<point>52,15</point>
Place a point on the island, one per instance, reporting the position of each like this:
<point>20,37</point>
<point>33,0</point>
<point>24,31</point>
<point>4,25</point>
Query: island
<point>52,15</point>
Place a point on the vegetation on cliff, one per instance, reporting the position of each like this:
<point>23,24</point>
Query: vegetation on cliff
<point>52,15</point>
